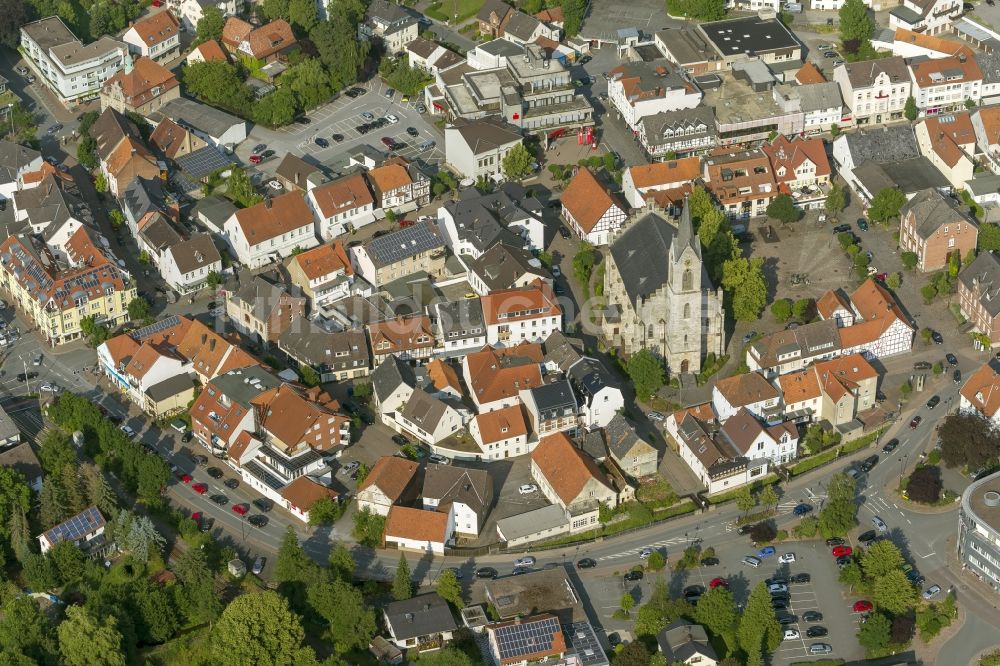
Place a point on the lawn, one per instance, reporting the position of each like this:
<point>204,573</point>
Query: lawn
<point>445,11</point>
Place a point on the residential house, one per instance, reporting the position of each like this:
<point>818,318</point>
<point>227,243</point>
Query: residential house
<point>659,296</point>
<point>224,410</point>
<point>416,248</point>
<point>10,434</point>
<point>755,440</point>
<point>930,17</point>
<point>935,227</point>
<point>949,142</point>
<point>341,206</point>
<point>910,44</point>
<point>334,355</point>
<point>406,337</point>
<point>493,17</point>
<point>220,129</point>
<point>684,47</point>
<point>52,211</point>
<point>187,265</point>
<point>267,43</point>
<point>683,642</point>
<point>85,530</point>
<point>130,159</point>
<point>678,132</point>
<point>495,376</point>
<point>392,25</point>
<point>391,481</point>
<point>213,211</point>
<point>503,267</point>
<point>299,496</point>
<point>711,457</point>
<point>476,223</point>
<point>525,29</point>
<point>477,148</point>
<point>634,456</point>
<point>980,394</point>
<point>189,12</point>
<point>423,623</point>
<point>294,173</point>
<point>502,433</point>
<point>324,273</point>
<point>880,327</point>
<point>22,459</point>
<point>798,163</point>
<point>835,391</point>
<point>551,408</point>
<point>174,142</point>
<point>417,530</point>
<point>599,397</point>
<point>741,181</point>
<point>660,182</point>
<point>399,186</point>
<point>466,493</point>
<point>507,648</point>
<point>526,314</point>
<point>641,89</point>
<point>819,103</point>
<point>430,56</point>
<point>16,163</point>
<point>590,209</point>
<point>262,309</point>
<point>74,72</point>
<point>873,159</point>
<point>979,294</point>
<point>393,382</point>
<point>270,230</point>
<point>986,123</point>
<point>155,36</point>
<point>946,84</point>
<point>426,418</point>
<point>874,91</point>
<point>569,478</point>
<point>458,326</point>
<point>791,350</point>
<point>748,391</point>
<point>141,87</point>
<point>207,51</point>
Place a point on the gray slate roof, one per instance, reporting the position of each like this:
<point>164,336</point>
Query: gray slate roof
<point>810,339</point>
<point>562,350</point>
<point>144,195</point>
<point>322,349</point>
<point>464,317</point>
<point>486,134</point>
<point>819,96</point>
<point>989,63</point>
<point>863,74</point>
<point>883,144</point>
<point>641,255</point>
<point>554,400</point>
<point>931,210</point>
<point>621,438</point>
<point>911,175</point>
<point>214,208</point>
<point>196,252</point>
<point>425,410</point>
<point>521,25</point>
<point>189,113</point>
<point>984,273</point>
<point>50,204</point>
<point>532,522</point>
<point>681,640</point>
<point>701,120</point>
<point>419,616</point>
<point>13,158</point>
<point>22,458</point>
<point>245,384</point>
<point>501,265</point>
<point>159,234</point>
<point>589,377</point>
<point>8,429</point>
<point>450,483</point>
<point>169,387</point>
<point>389,375</point>
<point>501,48</point>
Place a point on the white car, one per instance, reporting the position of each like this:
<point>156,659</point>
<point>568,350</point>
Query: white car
<point>127,430</point>
<point>556,272</point>
<point>931,592</point>
<point>526,561</point>
<point>275,185</point>
<point>527,489</point>
<point>787,558</point>
<point>790,634</point>
<point>655,416</point>
<point>49,388</point>
<point>645,553</point>
<point>777,588</point>
<point>392,118</point>
<point>879,524</point>
<point>437,459</point>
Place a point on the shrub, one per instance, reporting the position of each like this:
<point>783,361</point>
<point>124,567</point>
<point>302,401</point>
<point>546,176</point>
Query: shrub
<point>763,532</point>
<point>924,484</point>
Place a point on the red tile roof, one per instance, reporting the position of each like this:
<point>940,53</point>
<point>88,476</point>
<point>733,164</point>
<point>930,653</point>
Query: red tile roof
<point>416,524</point>
<point>501,424</point>
<point>323,260</point>
<point>391,475</point>
<point>303,492</point>
<point>789,155</point>
<point>343,194</point>
<point>520,304</point>
<point>496,374</point>
<point>565,467</point>
<point>982,390</point>
<point>587,200</point>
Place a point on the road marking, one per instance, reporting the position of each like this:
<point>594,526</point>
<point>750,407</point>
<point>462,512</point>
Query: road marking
<point>924,557</point>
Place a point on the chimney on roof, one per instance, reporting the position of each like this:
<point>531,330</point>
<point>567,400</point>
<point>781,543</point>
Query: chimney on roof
<point>267,202</point>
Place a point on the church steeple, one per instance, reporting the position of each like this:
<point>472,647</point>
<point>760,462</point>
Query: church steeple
<point>686,237</point>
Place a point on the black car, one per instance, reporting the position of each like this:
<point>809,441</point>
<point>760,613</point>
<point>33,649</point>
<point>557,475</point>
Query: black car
<point>867,538</point>
<point>869,463</point>
<point>564,232</point>
<point>215,472</point>
<point>586,563</point>
<point>834,541</point>
<point>186,437</point>
<point>785,618</point>
<point>614,640</point>
<point>412,131</point>
<point>816,632</point>
<point>521,570</point>
<point>775,581</point>
<point>936,337</point>
<point>257,520</point>
<point>263,504</point>
<point>933,402</point>
<point>957,376</point>
<point>841,228</point>
<point>337,137</point>
<point>23,377</point>
<point>744,529</point>
<point>710,562</point>
<point>206,524</point>
<point>633,575</point>
<point>221,500</point>
<point>915,421</point>
<point>486,572</point>
<point>922,365</point>
<point>952,360</point>
<point>259,148</point>
<point>890,446</point>
<point>843,560</point>
<point>198,459</point>
<point>400,440</point>
<point>812,616</point>
<point>231,483</point>
<point>267,154</point>
<point>322,143</point>
<point>801,578</point>
<point>352,93</point>
<point>691,590</point>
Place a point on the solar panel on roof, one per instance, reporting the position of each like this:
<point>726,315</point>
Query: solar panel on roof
<point>526,638</point>
<point>76,527</point>
<point>156,327</point>
<point>202,162</point>
<point>404,243</point>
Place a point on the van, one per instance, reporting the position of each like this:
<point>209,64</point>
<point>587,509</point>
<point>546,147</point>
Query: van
<point>427,145</point>
<point>793,8</point>
<point>820,648</point>
<point>751,561</point>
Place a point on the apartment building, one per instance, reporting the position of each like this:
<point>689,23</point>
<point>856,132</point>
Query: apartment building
<point>874,91</point>
<point>742,181</point>
<point>945,84</point>
<point>640,89</point>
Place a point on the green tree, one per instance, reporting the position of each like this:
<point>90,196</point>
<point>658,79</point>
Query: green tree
<point>886,205</point>
<point>116,217</point>
<point>219,83</point>
<point>910,109</point>
<point>210,25</point>
<point>85,640</point>
<point>402,584</point>
<point>909,260</point>
<point>835,200</point>
<point>341,562</point>
<point>769,497</point>
<point>656,561</point>
<point>275,9</point>
<point>894,592</point>
<point>213,280</point>
<point>351,622</point>
<point>745,501</point>
<point>308,79</point>
<point>292,559</point>
<point>86,151</point>
<point>197,599</point>
<point>447,657</point>
<point>241,190</point>
<point>15,497</point>
<point>339,49</point>
<point>277,109</point>
<point>855,25</point>
<point>801,307</point>
<point>873,635</point>
<point>758,631</point>
<point>101,183</point>
<point>68,561</point>
<point>26,630</point>
<point>646,373</point>
<point>155,613</point>
<point>989,237</point>
<point>20,534</point>
<point>517,162</point>
<point>781,309</point>
<point>368,528</point>
<point>744,280</point>
<point>894,281</point>
<point>325,511</point>
<point>851,575</point>
<point>583,263</point>
<point>839,512</point>
<point>880,558</point>
<point>52,504</point>
<point>449,589</point>
<point>782,208</point>
<point>659,611</point>
<point>309,376</point>
<point>302,15</point>
<point>96,334</point>
<point>626,603</point>
<point>573,13</point>
<point>716,610</point>
<point>532,6</point>
<point>259,628</point>
<point>701,10</point>
<point>139,309</point>
<point>15,13</point>
<point>633,654</point>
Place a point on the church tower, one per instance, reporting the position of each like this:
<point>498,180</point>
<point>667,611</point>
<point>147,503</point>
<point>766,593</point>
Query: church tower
<point>686,279</point>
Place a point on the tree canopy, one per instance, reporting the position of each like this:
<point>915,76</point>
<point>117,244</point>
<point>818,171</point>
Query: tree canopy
<point>886,205</point>
<point>855,25</point>
<point>646,372</point>
<point>517,162</point>
<point>968,440</point>
<point>210,24</point>
<point>701,10</point>
<point>839,514</point>
<point>782,208</point>
<point>259,628</point>
<point>744,280</point>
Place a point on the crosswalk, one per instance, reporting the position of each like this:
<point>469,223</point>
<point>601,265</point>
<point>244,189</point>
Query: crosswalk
<point>673,541</point>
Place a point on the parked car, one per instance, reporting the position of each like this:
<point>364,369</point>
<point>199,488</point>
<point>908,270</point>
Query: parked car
<point>922,365</point>
<point>951,358</point>
<point>392,118</point>
<point>869,463</point>
<point>486,572</point>
<point>842,551</point>
<point>785,617</point>
<point>127,430</point>
<point>716,582</point>
<point>231,483</point>
<point>787,558</point>
<point>862,606</point>
<point>321,142</point>
<point>633,576</point>
<point>241,508</point>
<point>915,421</point>
<point>337,138</point>
<point>257,520</point>
<point>802,509</point>
<point>256,159</point>
<point>215,472</point>
<point>867,538</point>
<point>933,402</point>
<point>812,616</point>
<point>412,131</point>
<point>221,500</point>
<point>200,488</point>
<point>956,376</point>
<point>841,228</point>
<point>890,446</point>
<point>655,416</point>
<point>862,224</point>
<point>765,552</point>
<point>527,489</point>
<point>820,648</point>
<point>258,566</point>
<point>263,504</point>
<point>400,440</point>
<point>801,578</point>
<point>777,588</point>
<point>526,561</point>
<point>790,635</point>
<point>931,592</point>
<point>816,632</point>
<point>645,553</point>
<point>751,561</point>
<point>267,154</point>
<point>879,524</point>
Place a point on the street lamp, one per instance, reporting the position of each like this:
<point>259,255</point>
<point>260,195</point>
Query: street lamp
<point>902,466</point>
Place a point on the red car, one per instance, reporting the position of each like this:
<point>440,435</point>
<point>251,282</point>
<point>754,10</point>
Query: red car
<point>862,606</point>
<point>200,488</point>
<point>842,551</point>
<point>186,478</point>
<point>405,223</point>
<point>716,582</point>
<point>196,516</point>
<point>256,159</point>
<point>241,509</point>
